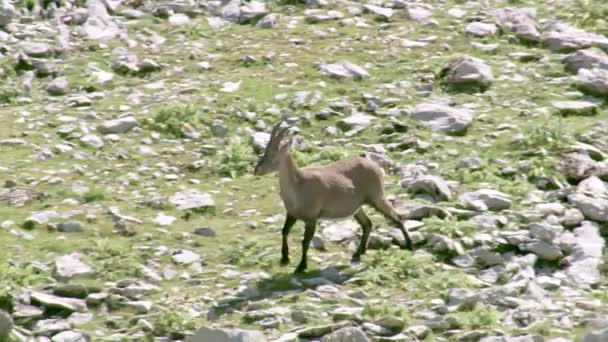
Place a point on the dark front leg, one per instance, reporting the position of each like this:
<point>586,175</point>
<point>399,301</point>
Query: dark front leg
<point>289,222</point>
<point>309,232</point>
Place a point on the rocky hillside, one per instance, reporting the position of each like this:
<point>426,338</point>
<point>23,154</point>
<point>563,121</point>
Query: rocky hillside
<point>129,130</point>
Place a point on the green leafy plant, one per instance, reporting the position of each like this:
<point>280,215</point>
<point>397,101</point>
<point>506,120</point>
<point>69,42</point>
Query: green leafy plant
<point>172,321</point>
<point>393,266</point>
<point>94,195</point>
<point>172,119</point>
<point>481,316</point>
<point>236,160</point>
<point>250,253</point>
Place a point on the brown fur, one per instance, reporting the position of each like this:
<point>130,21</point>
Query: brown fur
<point>332,191</point>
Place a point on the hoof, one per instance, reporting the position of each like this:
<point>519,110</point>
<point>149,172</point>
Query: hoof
<point>300,269</point>
<point>355,260</point>
<point>284,261</point>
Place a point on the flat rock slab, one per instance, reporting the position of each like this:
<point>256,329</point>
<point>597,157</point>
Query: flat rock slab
<point>226,335</point>
<point>575,107</point>
<point>343,69</point>
<point>54,302</point>
<point>440,117</point>
<point>192,199</point>
<point>70,266</point>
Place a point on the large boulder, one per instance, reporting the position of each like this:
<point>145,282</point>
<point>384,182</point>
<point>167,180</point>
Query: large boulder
<point>467,73</point>
<point>349,334</point>
<point>7,12</point>
<point>586,255</point>
<point>561,36</point>
<point>586,59</point>
<point>440,117</point>
<point>343,69</point>
<point>70,266</point>
<point>520,21</point>
<point>485,199</point>
<point>593,208</point>
<point>99,25</point>
<point>593,80</point>
<point>226,335</point>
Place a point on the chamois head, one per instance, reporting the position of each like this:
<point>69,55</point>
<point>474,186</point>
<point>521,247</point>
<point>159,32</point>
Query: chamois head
<point>276,148</point>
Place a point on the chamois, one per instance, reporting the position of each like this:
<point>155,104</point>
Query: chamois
<point>332,191</point>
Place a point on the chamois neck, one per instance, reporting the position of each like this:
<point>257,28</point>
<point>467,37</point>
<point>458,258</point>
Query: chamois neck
<point>288,169</point>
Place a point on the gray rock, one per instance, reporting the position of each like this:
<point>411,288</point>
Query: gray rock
<point>418,13</point>
<point>572,217</point>
<point>382,12</point>
<point>7,12</point>
<point>575,107</point>
<point>252,10</point>
<point>340,231</point>
<point>50,327</point>
<point>350,334</point>
<point>6,323</point>
<point>432,185</point>
<point>226,335</point>
<point>306,99</point>
<point>184,257</point>
<point>205,231</point>
<point>467,72</point>
<point>92,140</point>
<point>117,126</point>
<point>35,49</point>
<point>586,255</point>
<point>126,64</point>
<point>593,187</point>
<point>19,197</point>
<point>544,250</point>
<point>69,227</point>
<point>561,36</point>
<point>41,217</point>
<point>586,59</point>
<point>486,199</point>
<point>58,86</point>
<point>69,336</point>
<point>99,25</point>
<point>316,16</point>
<point>480,29</point>
<point>131,13</point>
<point>597,336</point>
<point>178,19</point>
<point>70,266</point>
<point>343,69</point>
<point>442,244</point>
<point>192,199</point>
<point>269,21</point>
<point>577,166</point>
<point>54,302</point>
<point>520,21</point>
<point>595,209</point>
<point>545,231</point>
<point>357,120</point>
<point>443,118</point>
<point>593,80</point>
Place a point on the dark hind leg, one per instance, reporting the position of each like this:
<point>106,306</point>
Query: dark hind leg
<point>366,225</point>
<point>289,221</point>
<point>389,212</point>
